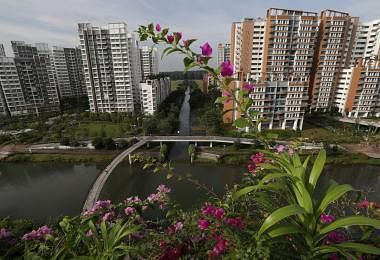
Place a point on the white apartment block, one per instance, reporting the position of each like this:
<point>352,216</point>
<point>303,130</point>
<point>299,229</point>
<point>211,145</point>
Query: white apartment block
<point>224,50</point>
<point>153,92</point>
<point>12,100</point>
<point>44,52</point>
<point>281,103</point>
<point>367,42</point>
<point>112,69</point>
<point>342,89</point>
<point>149,61</point>
<point>2,51</point>
<point>335,42</point>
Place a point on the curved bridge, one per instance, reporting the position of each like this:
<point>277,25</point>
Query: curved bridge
<point>94,193</point>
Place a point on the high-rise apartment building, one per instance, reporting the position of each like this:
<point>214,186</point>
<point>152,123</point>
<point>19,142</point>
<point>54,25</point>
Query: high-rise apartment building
<point>112,69</point>
<point>224,51</point>
<point>74,66</point>
<point>336,37</point>
<point>367,42</point>
<point>149,61</point>
<point>34,79</point>
<point>12,100</point>
<point>52,91</point>
<point>277,54</point>
<point>153,92</point>
<point>2,51</point>
<point>358,91</point>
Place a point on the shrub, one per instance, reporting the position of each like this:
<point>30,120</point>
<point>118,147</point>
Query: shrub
<point>97,142</point>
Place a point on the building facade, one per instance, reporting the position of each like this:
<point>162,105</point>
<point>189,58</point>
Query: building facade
<point>360,93</point>
<point>2,50</point>
<point>148,61</point>
<point>153,92</point>
<point>111,65</point>
<point>336,37</point>
<point>12,102</point>
<point>367,42</point>
<point>34,79</point>
<point>224,51</point>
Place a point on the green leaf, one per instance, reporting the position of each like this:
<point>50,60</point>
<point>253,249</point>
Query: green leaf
<point>165,31</point>
<point>317,169</point>
<point>332,195</point>
<point>359,247</point>
<point>220,100</point>
<point>241,122</point>
<point>283,229</point>
<point>350,221</point>
<point>165,51</point>
<point>244,191</point>
<point>187,61</point>
<point>279,215</point>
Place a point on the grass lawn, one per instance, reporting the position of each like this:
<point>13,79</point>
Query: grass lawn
<point>93,129</point>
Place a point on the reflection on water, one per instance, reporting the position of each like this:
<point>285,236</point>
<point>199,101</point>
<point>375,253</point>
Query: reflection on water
<point>43,190</point>
<point>129,180</point>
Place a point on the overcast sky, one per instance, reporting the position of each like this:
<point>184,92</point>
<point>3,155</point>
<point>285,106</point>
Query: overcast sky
<point>55,22</point>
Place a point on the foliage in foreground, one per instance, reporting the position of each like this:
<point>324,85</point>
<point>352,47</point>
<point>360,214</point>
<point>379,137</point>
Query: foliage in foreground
<point>274,215</point>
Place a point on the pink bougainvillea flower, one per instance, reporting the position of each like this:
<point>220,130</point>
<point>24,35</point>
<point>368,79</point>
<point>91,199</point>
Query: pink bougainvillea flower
<point>363,204</point>
<point>4,233</point>
<point>257,158</point>
<point>163,189</point>
<point>248,87</point>
<point>280,148</point>
<point>206,49</point>
<point>42,233</point>
<point>178,226</point>
<point>228,95</point>
<point>219,213</point>
<point>178,36</point>
<point>219,247</point>
<point>226,69</point>
<point>185,43</point>
<point>325,218</point>
<point>333,257</point>
<point>252,168</point>
<point>208,210</point>
<point>108,216</point>
<point>335,237</point>
<point>170,38</point>
<point>89,233</point>
<point>236,222</point>
<point>158,27</point>
<point>129,210</point>
<point>203,224</point>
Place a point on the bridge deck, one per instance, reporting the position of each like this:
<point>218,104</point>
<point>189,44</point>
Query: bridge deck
<point>96,188</point>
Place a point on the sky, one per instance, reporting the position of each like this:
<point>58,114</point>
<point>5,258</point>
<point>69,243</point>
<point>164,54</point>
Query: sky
<point>55,22</point>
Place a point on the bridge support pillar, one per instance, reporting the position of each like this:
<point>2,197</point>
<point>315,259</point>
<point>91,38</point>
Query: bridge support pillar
<point>147,144</point>
<point>130,159</point>
<point>210,144</point>
<point>196,144</point>
<point>160,144</point>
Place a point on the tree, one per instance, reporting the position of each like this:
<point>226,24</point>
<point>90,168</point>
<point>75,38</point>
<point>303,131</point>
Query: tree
<point>212,121</point>
<point>109,143</point>
<point>97,142</point>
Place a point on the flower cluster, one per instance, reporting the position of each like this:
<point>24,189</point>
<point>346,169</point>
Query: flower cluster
<point>100,204</point>
<point>4,233</point>
<point>249,87</point>
<point>175,228</point>
<point>256,160</point>
<point>335,237</point>
<point>160,197</point>
<point>219,247</point>
<point>326,219</point>
<point>43,233</point>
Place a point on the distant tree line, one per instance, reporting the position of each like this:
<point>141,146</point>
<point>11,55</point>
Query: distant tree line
<point>189,75</point>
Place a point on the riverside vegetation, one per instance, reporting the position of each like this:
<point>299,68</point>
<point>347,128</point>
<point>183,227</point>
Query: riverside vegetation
<point>273,214</point>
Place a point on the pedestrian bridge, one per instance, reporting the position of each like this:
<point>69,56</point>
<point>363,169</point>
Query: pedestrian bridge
<point>97,186</point>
